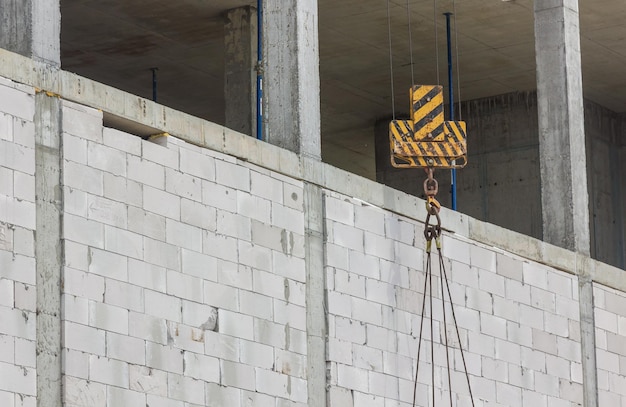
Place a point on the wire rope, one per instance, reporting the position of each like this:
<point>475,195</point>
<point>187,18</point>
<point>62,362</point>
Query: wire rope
<point>408,13</point>
<point>393,99</point>
<point>436,40</point>
<point>458,72</point>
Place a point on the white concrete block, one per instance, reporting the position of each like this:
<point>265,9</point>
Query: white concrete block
<point>165,358</point>
<point>455,249</point>
<point>256,354</point>
<point>270,333</point>
<point>234,225</point>
<point>235,324</point>
<point>145,172</point>
<point>162,306</point>
<point>147,380</point>
<point>18,379</point>
<point>183,185</point>
<point>339,210</point>
<point>509,267</point>
<point>82,177</point>
<point>6,127</point>
<point>147,328</point>
<point>202,367</point>
<point>221,296</point>
<point>17,212</point>
<point>219,196</point>
<point>254,207</point>
<point>292,314</point>
<point>220,246</point>
<point>121,141</point>
<point>218,395</point>
<point>544,342</point>
<point>185,338</point>
<point>368,358</point>
<point>366,311</point>
<point>269,284</point>
<point>17,103</point>
<point>290,363</point>
<point>7,293</point>
<point>24,133</point>
<point>183,235</point>
<point>197,164</point>
<point>535,275</point>
<point>123,397</point>
<point>146,223</point>
<point>82,121</point>
<point>25,297</point>
<point>544,300</point>
<point>6,181</point>
<point>517,291</point>
<point>221,346</point>
<point>363,264</point>
<point>379,246</point>
<point>352,378</point>
<point>161,254</point>
<point>24,186</point>
<point>350,330</point>
<point>271,383</point>
<point>266,187</point>
<point>82,392</point>
<point>493,326</point>
<point>23,242</point>
<point>491,282</point>
<point>165,155</point>
<point>288,266</point>
<point>108,317</point>
<point>399,229</point>
<point>126,348</point>
<point>157,401</point>
<point>346,236</point>
<point>161,203</point>
<point>235,275</point>
<point>108,371</point>
<point>380,292</point>
<point>25,353</point>
<point>184,286</point>
<point>197,214</point>
<point>106,159</point>
<point>506,309</point>
<point>81,230</point>
<point>146,275</point>
<point>409,256</point>
<point>370,219</point>
<point>556,324</point>
<point>17,267</point>
<point>238,375</point>
<point>107,264</point>
<point>106,211</point>
<point>75,201</point>
<point>199,265</point>
<point>483,258</point>
<point>81,284</point>
<point>122,189</point>
<point>199,316</point>
<point>75,363</point>
<point>232,175</point>
<point>124,295</point>
<point>257,305</point>
<point>84,338</point>
<point>288,218</point>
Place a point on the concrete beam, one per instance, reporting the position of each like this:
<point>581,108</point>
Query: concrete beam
<point>48,248</point>
<point>291,75</point>
<point>564,196</point>
<point>240,59</point>
<point>32,28</point>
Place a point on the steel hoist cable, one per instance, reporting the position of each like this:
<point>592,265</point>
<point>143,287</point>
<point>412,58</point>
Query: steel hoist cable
<point>393,98</point>
<point>433,232</point>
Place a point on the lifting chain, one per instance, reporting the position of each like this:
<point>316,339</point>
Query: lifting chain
<point>431,188</point>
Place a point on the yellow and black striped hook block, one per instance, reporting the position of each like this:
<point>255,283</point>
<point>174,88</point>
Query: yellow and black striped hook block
<point>427,140</point>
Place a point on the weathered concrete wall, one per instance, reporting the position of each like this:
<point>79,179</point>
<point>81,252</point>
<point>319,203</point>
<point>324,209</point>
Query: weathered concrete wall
<point>186,281</point>
<point>18,385</point>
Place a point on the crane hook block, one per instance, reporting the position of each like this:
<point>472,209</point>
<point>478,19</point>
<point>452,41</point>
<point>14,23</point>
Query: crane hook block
<point>427,140</point>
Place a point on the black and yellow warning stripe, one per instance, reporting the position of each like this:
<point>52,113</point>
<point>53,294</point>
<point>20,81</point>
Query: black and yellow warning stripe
<point>427,112</point>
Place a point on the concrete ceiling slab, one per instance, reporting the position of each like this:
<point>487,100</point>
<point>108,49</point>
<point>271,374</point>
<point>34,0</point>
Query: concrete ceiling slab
<point>118,41</point>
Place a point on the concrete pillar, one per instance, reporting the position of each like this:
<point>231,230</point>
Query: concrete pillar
<point>315,295</point>
<point>240,60</point>
<point>48,248</point>
<point>291,75</point>
<point>32,28</point>
<point>564,196</point>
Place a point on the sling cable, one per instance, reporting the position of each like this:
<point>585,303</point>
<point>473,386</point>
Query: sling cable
<point>428,141</point>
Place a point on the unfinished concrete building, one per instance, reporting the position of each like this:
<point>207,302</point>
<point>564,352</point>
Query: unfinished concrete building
<point>154,252</point>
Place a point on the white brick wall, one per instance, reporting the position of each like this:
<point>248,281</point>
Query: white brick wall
<point>184,285</point>
<point>17,231</point>
<point>184,274</point>
<point>518,320</point>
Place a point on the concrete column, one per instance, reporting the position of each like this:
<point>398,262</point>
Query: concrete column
<point>32,28</point>
<point>240,59</point>
<point>291,73</point>
<point>316,324</point>
<point>48,248</point>
<point>564,196</point>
